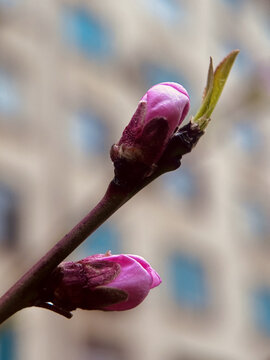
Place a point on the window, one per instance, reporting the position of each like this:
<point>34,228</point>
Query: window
<point>105,238</point>
<point>9,94</point>
<point>8,216</point>
<point>261,309</point>
<point>247,137</point>
<point>7,344</point>
<point>88,133</point>
<point>170,11</point>
<point>182,182</point>
<point>234,3</point>
<point>255,219</point>
<point>86,33</point>
<point>265,19</point>
<point>245,64</point>
<point>8,3</point>
<point>188,281</point>
<point>154,74</point>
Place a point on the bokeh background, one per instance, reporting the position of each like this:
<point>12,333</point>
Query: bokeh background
<point>71,74</point>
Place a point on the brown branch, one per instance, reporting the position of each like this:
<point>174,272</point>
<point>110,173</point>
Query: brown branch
<point>28,290</point>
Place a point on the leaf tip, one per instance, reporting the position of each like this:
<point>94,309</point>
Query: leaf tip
<point>215,83</point>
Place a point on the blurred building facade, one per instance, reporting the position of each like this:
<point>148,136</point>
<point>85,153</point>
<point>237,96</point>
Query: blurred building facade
<point>71,74</point>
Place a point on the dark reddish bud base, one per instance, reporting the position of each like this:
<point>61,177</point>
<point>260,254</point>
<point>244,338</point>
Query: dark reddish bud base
<point>181,143</point>
<point>130,173</point>
<point>81,285</point>
<point>139,165</point>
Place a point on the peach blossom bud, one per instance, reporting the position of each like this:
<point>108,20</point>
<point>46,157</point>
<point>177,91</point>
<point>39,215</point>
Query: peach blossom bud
<point>160,111</point>
<point>102,282</point>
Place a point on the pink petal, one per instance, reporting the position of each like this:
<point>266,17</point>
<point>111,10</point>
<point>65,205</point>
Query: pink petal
<point>134,279</point>
<point>168,100</point>
<point>156,279</point>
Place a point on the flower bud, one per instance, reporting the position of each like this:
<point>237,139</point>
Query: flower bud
<point>160,111</point>
<point>102,282</point>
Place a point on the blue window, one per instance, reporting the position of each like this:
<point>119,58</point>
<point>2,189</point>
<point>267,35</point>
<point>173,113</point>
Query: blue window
<point>9,94</point>
<point>244,64</point>
<point>188,281</point>
<point>103,239</point>
<point>247,137</point>
<point>8,3</point>
<point>88,133</point>
<point>261,309</point>
<point>266,28</point>
<point>256,219</point>
<point>234,3</point>
<point>182,182</point>
<point>7,344</point>
<point>8,216</point>
<point>170,11</point>
<point>85,32</point>
<point>154,74</point>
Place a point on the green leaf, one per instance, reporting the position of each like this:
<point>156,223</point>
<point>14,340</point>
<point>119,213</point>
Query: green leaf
<point>214,87</point>
<point>207,92</point>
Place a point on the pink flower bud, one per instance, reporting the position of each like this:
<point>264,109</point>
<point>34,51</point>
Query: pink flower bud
<point>160,111</point>
<point>102,282</point>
